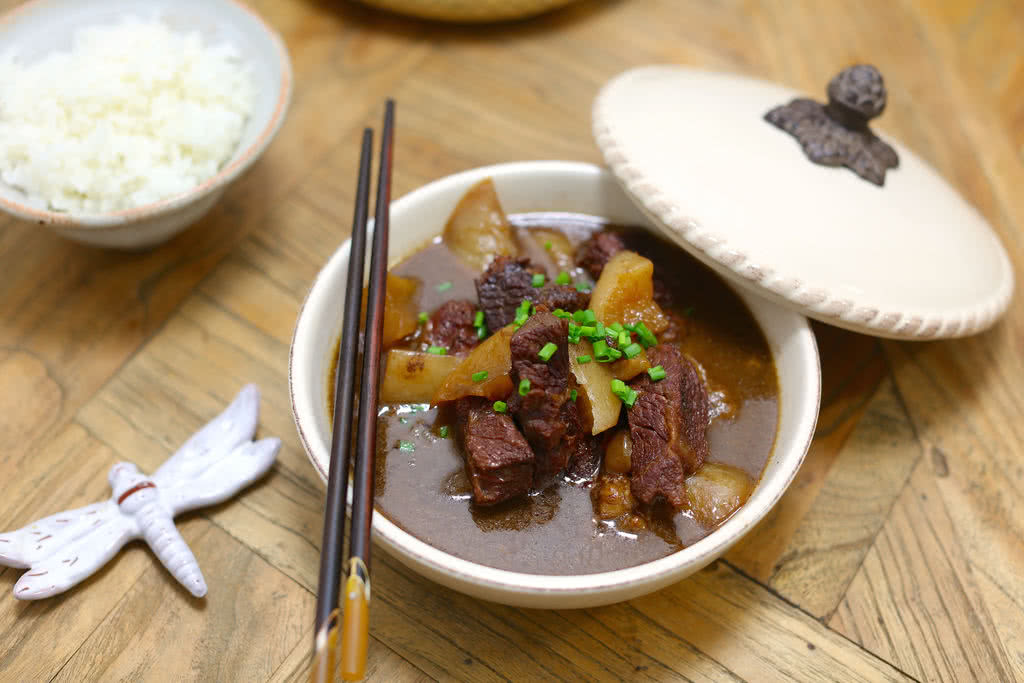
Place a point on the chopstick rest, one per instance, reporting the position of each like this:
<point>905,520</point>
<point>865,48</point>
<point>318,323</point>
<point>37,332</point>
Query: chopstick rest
<point>216,463</point>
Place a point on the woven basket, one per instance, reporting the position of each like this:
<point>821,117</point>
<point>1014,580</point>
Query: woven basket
<point>469,10</point>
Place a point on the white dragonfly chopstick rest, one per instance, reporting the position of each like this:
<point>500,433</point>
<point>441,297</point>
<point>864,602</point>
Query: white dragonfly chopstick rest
<point>213,465</point>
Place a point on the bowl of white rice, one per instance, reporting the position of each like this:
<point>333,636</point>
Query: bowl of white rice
<point>123,121</point>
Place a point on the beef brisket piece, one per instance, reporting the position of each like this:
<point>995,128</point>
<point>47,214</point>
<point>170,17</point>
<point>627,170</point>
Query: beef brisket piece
<point>508,281</point>
<point>452,326</point>
<point>598,250</point>
<point>498,459</point>
<point>549,418</point>
<point>668,426</point>
<point>594,253</point>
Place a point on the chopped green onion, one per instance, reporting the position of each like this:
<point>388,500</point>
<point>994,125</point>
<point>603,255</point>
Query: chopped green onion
<point>583,360</point>
<point>572,395</point>
<point>549,246</point>
<point>589,317</point>
<point>623,339</point>
<point>563,278</point>
<point>437,350</point>
<point>578,316</point>
<point>599,331</point>
<point>479,376</point>
<point>537,280</point>
<point>574,333</point>
<point>524,387</point>
<point>547,351</point>
<point>601,351</point>
<point>522,313</point>
<point>559,313</point>
<point>500,406</point>
<point>588,331</point>
<point>443,431</point>
<point>481,332</point>
<point>616,327</point>
<point>633,350</point>
<point>582,287</point>
<point>478,319</point>
<point>444,286</point>
<point>630,326</point>
<point>614,354</point>
<point>625,394</point>
<point>407,446</point>
<point>423,317</point>
<point>657,373</point>
<point>647,337</point>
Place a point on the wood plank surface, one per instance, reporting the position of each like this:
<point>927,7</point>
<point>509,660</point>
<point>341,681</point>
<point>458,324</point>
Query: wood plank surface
<point>897,554</point>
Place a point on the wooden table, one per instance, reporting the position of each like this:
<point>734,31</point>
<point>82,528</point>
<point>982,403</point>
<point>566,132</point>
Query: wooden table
<point>897,553</point>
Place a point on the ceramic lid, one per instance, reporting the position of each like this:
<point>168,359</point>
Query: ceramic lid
<point>907,259</point>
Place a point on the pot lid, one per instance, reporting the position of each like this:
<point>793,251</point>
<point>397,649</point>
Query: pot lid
<point>880,245</point>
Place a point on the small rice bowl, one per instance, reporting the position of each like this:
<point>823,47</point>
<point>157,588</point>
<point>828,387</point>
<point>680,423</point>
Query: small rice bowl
<point>134,113</point>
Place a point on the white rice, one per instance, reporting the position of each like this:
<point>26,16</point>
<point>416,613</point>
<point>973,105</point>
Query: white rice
<point>133,114</point>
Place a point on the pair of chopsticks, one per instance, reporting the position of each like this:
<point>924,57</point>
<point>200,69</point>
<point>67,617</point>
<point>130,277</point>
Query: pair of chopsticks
<point>355,613</point>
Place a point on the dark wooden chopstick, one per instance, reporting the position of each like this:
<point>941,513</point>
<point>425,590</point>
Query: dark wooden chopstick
<point>356,597</point>
<point>344,400</point>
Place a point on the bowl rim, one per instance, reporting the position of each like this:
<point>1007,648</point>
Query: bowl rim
<point>414,551</point>
<point>116,219</point>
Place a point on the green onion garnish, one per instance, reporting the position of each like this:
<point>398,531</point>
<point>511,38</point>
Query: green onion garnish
<point>616,327</point>
<point>443,431</point>
<point>657,373</point>
<point>623,339</point>
<point>625,394</point>
<point>478,319</point>
<point>481,332</point>
<point>582,287</point>
<point>423,317</point>
<point>633,350</point>
<point>599,331</point>
<point>524,387</point>
<point>537,280</point>
<point>588,331</point>
<point>547,351</point>
<point>407,446</point>
<point>601,351</point>
<point>444,286</point>
<point>437,350</point>
<point>559,313</point>
<point>572,395</point>
<point>522,313</point>
<point>583,360</point>
<point>647,337</point>
<point>479,376</point>
<point>563,278</point>
<point>574,333</point>
<point>614,354</point>
<point>500,406</point>
<point>549,246</point>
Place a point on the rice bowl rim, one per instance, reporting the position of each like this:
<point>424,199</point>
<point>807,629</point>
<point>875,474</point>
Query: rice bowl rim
<point>117,219</point>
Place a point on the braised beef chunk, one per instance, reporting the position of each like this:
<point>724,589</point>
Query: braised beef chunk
<point>452,326</point>
<point>668,426</point>
<point>498,459</point>
<point>547,414</point>
<point>553,296</point>
<point>508,281</point>
<point>598,250</point>
<point>501,289</point>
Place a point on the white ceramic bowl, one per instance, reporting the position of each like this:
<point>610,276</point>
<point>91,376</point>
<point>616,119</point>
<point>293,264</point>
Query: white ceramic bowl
<point>547,186</point>
<point>41,26</point>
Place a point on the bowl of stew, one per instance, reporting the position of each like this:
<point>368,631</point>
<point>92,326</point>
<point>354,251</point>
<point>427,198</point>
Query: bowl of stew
<point>574,411</point>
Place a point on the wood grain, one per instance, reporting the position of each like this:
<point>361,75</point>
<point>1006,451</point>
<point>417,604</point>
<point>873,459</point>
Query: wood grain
<point>897,553</point>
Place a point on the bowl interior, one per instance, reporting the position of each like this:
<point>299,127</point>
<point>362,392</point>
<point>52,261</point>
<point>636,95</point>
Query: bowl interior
<point>43,26</point>
<point>547,186</point>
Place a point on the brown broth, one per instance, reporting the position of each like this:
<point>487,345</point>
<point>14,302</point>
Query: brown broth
<point>425,491</point>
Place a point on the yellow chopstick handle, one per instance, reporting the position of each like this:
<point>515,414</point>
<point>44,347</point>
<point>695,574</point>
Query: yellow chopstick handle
<point>355,628</point>
<point>325,657</point>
